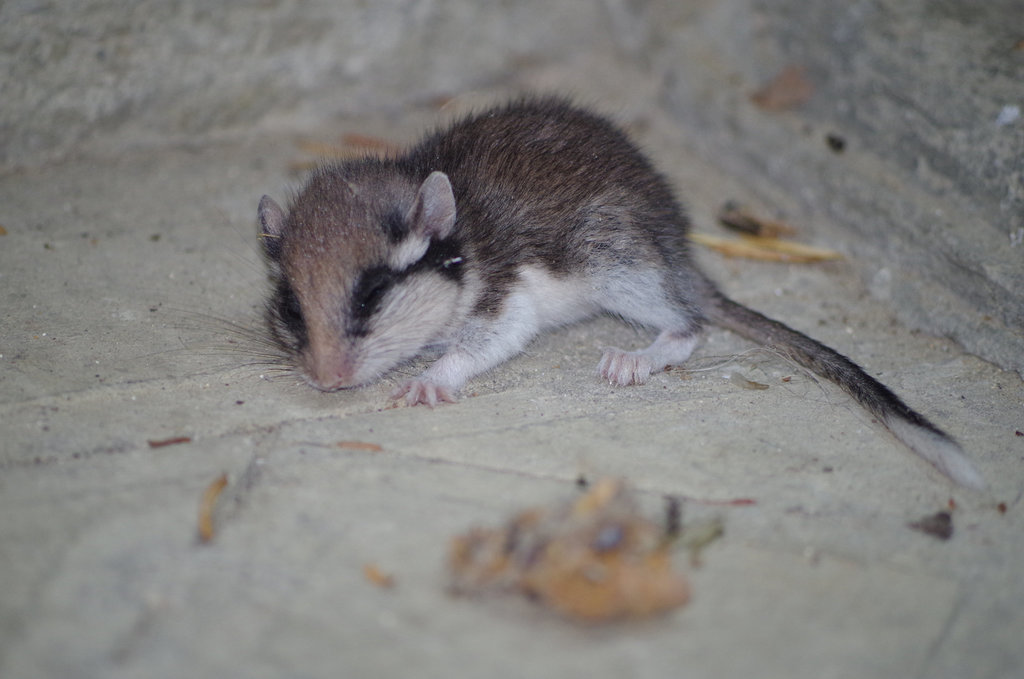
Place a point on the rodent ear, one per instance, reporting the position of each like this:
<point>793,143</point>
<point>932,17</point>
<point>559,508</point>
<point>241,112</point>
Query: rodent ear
<point>271,226</point>
<point>433,213</point>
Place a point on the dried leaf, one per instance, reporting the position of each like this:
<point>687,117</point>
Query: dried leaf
<point>938,525</point>
<point>359,445</point>
<point>592,560</point>
<point>835,142</point>
<point>742,382</point>
<point>378,577</point>
<point>738,218</point>
<point>788,90</point>
<point>765,249</point>
<point>169,442</point>
<point>353,145</point>
<point>207,505</point>
<point>735,502</point>
<point>365,141</point>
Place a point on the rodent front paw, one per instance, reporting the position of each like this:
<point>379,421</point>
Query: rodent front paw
<point>624,367</point>
<point>421,391</point>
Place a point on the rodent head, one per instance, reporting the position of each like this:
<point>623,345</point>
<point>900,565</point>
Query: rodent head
<point>366,269</point>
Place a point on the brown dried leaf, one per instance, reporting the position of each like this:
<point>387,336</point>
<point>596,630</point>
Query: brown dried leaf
<point>352,145</point>
<point>207,505</point>
<point>742,382</point>
<point>765,249</point>
<point>740,219</point>
<point>359,445</point>
<point>365,141</point>
<point>938,525</point>
<point>169,442</point>
<point>378,577</point>
<point>788,90</point>
<point>592,560</point>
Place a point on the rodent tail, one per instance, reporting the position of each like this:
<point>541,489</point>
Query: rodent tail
<point>909,426</point>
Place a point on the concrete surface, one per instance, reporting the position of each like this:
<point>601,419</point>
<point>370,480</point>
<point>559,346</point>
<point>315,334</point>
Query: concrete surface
<point>131,295</point>
<point>135,143</point>
<point>928,193</point>
<point>102,73</point>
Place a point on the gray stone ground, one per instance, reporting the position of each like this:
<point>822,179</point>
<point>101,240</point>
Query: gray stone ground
<point>131,293</point>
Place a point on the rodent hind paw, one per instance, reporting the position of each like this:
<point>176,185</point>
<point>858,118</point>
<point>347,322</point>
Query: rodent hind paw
<point>623,368</point>
<point>420,391</point>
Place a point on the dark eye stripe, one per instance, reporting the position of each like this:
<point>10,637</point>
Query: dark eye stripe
<point>370,289</point>
<point>286,316</point>
<point>441,256</point>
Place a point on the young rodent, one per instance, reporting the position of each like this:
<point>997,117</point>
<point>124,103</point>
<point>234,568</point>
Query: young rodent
<point>523,217</point>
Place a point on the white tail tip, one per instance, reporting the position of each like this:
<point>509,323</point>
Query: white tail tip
<point>943,452</point>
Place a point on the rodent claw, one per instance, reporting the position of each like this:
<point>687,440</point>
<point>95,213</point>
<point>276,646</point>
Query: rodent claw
<point>623,368</point>
<point>418,392</point>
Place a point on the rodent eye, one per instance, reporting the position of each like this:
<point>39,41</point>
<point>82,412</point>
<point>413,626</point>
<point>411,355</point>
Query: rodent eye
<point>285,314</point>
<point>370,290</point>
<point>372,297</point>
<point>291,312</point>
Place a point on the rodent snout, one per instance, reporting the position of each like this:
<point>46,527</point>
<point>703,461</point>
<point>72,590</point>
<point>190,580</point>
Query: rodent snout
<point>329,370</point>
